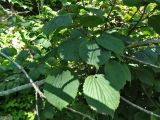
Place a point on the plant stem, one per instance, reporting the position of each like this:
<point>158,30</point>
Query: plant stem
<point>140,61</point>
<point>37,108</point>
<point>149,97</point>
<point>143,43</point>
<point>112,7</point>
<point>83,3</point>
<point>134,27</point>
<point>139,107</point>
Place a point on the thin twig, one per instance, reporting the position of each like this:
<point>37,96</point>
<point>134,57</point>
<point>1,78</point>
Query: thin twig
<point>112,7</point>
<point>131,19</point>
<point>143,43</point>
<point>149,97</point>
<point>37,108</point>
<point>80,113</point>
<point>139,107</point>
<point>83,3</point>
<point>134,27</point>
<point>140,61</point>
<point>25,73</point>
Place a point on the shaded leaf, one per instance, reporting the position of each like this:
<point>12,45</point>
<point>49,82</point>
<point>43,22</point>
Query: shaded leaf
<point>57,22</point>
<point>112,43</point>
<point>22,55</point>
<point>69,50</point>
<point>146,76</point>
<point>147,55</point>
<point>91,21</point>
<point>134,2</point>
<point>9,51</point>
<point>153,21</point>
<point>117,74</point>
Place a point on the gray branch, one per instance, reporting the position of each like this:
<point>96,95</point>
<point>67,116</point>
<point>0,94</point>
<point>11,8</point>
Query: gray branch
<point>25,73</point>
<point>38,83</point>
<point>140,61</point>
<point>143,43</point>
<point>140,108</point>
<point>19,88</point>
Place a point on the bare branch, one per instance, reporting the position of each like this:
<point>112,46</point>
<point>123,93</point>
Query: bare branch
<point>140,61</point>
<point>19,88</point>
<point>140,108</point>
<point>143,43</point>
<point>37,108</point>
<point>80,113</point>
<point>7,92</point>
<point>25,73</point>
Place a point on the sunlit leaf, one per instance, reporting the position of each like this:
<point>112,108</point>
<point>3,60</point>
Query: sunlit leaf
<point>61,88</point>
<point>100,95</point>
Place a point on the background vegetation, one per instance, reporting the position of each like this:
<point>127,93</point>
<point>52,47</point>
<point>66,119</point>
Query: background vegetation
<point>89,59</point>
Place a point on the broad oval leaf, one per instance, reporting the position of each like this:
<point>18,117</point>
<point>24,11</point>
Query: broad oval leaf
<point>117,74</point>
<point>9,51</point>
<point>91,21</point>
<point>57,22</point>
<point>153,21</point>
<point>92,54</point>
<point>22,55</point>
<point>112,43</point>
<point>146,76</point>
<point>100,95</point>
<point>69,50</point>
<point>61,88</point>
<point>147,55</point>
<point>134,2</point>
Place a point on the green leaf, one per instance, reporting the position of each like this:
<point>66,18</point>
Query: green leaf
<point>158,1</point>
<point>34,73</point>
<point>112,43</point>
<point>134,2</point>
<point>49,111</point>
<point>147,55</point>
<point>61,88</point>
<point>95,11</point>
<point>92,54</point>
<point>69,50</point>
<point>146,76</point>
<point>100,95</point>
<point>56,23</point>
<point>9,51</point>
<point>141,116</point>
<point>153,21</point>
<point>117,74</point>
<point>91,21</point>
<point>75,33</point>
<point>22,56</point>
<point>157,85</point>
